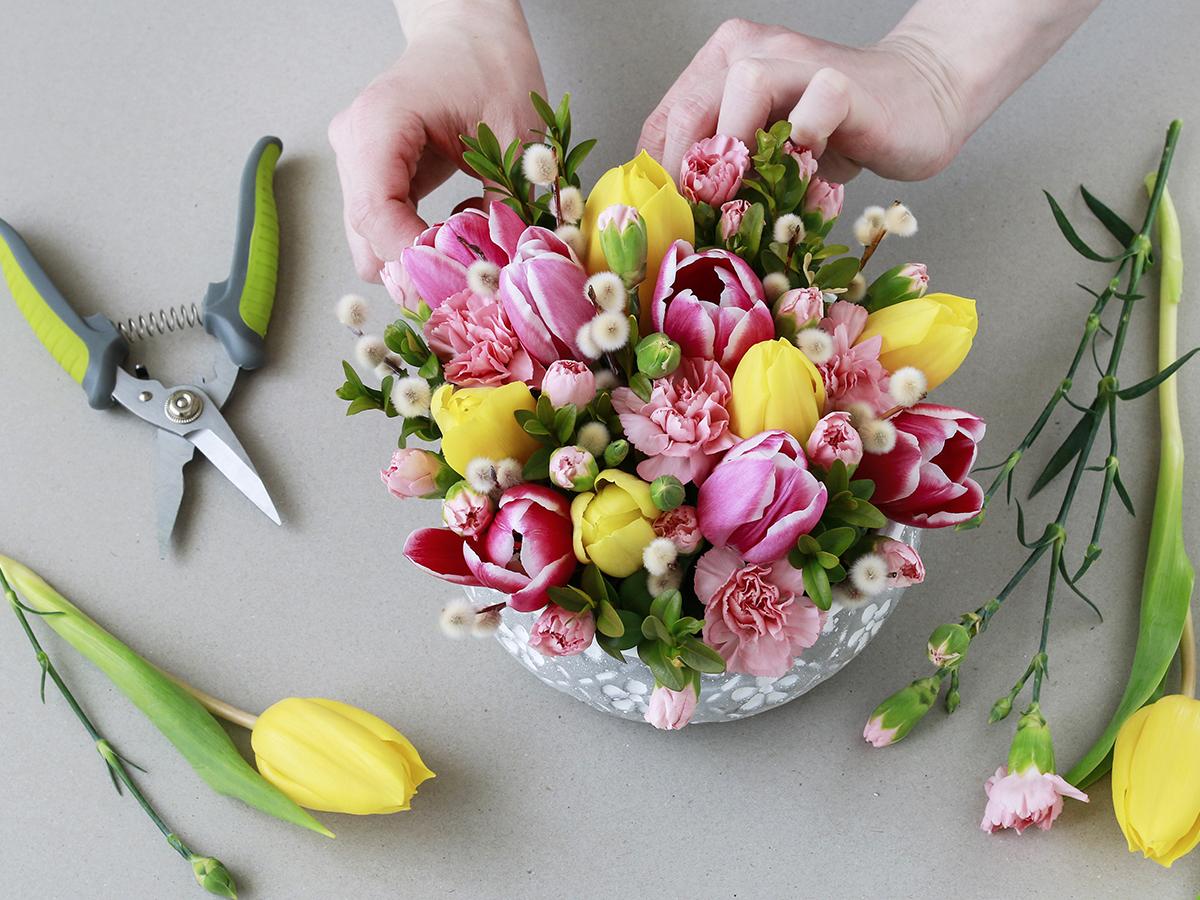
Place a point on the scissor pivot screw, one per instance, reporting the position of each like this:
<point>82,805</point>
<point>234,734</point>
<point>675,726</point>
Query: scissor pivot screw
<point>145,396</point>
<point>184,406</point>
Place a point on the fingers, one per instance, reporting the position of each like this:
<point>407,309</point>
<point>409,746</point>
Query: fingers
<point>691,119</point>
<point>832,103</point>
<point>757,92</point>
<point>698,90</point>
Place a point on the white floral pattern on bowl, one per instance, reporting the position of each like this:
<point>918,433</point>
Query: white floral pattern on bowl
<point>624,689</point>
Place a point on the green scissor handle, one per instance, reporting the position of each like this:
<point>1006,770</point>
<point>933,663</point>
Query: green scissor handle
<point>90,350</point>
<point>238,309</point>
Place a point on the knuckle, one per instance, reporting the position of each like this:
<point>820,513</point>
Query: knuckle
<point>749,73</point>
<point>362,212</point>
<point>688,111</point>
<point>735,30</point>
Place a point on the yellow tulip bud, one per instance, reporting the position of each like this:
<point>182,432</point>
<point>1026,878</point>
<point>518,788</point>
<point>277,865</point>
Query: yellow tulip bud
<point>479,422</point>
<point>330,756</point>
<point>612,524</point>
<point>932,333</point>
<point>1156,779</point>
<point>776,387</point>
<point>644,184</point>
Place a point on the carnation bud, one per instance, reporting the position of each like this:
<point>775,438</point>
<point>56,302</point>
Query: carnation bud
<point>1000,709</point>
<point>948,645</point>
<point>1032,746</point>
<point>623,240</point>
<point>657,355</point>
<point>573,468</point>
<point>732,214</point>
<point>212,875</point>
<point>615,453</point>
<point>907,281</point>
<point>667,492</point>
<point>895,717</point>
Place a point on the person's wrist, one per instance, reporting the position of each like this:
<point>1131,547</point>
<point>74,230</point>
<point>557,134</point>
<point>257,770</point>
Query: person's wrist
<point>421,19</point>
<point>935,76</point>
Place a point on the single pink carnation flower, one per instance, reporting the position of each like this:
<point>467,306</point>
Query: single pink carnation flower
<point>477,345</point>
<point>684,426</point>
<point>756,616</point>
<point>1019,801</point>
<point>712,170</point>
<point>559,632</point>
<point>853,374</point>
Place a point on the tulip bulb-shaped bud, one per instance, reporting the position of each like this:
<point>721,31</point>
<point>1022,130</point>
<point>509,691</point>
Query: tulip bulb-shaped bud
<point>667,492</point>
<point>657,355</point>
<point>213,876</point>
<point>623,240</point>
<point>906,281</point>
<point>615,453</point>
<point>948,645</point>
<point>1156,779</point>
<point>330,756</point>
<point>895,717</point>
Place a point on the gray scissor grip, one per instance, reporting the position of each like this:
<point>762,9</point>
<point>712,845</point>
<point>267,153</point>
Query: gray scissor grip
<point>89,349</point>
<point>238,309</point>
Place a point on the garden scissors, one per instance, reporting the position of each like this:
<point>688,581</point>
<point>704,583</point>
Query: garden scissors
<point>187,416</point>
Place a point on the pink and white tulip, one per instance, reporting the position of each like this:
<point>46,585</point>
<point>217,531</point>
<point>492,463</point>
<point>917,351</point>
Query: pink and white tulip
<point>756,616</point>
<point>761,498</point>
<point>712,170</point>
<point>560,632</point>
<point>923,480</point>
<point>711,303</point>
<point>834,438</point>
<point>670,710</point>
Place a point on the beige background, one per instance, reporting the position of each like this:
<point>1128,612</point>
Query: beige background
<point>125,128</point>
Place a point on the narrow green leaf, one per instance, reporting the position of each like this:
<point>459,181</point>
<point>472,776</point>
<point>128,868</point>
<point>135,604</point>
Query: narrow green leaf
<point>1117,227</point>
<point>483,167</point>
<point>1144,387</point>
<point>577,155</point>
<point>1067,450</point>
<point>544,110</point>
<point>1068,230</point>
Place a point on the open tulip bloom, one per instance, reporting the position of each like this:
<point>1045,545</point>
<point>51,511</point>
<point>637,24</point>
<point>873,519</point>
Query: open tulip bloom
<point>676,424</point>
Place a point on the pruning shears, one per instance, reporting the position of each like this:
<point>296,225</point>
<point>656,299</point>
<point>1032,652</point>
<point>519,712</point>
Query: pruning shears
<point>187,416</point>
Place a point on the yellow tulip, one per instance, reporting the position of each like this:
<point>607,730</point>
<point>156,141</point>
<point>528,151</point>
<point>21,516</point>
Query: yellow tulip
<point>933,333</point>
<point>329,756</point>
<point>1156,779</point>
<point>645,184</point>
<point>776,387</point>
<point>612,524</point>
<point>479,422</point>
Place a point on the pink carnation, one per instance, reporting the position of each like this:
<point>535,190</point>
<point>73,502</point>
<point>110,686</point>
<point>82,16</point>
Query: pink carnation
<point>478,347</point>
<point>824,198</point>
<point>712,170</point>
<point>853,374</point>
<point>903,563</point>
<point>684,426</point>
<point>756,616</point>
<point>834,438</point>
<point>559,632</point>
<point>1019,801</point>
<point>412,473</point>
<point>681,526</point>
<point>804,159</point>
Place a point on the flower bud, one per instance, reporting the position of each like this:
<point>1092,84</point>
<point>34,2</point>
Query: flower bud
<point>573,468</point>
<point>623,240</point>
<point>657,355</point>
<point>896,716</point>
<point>1000,709</point>
<point>798,309</point>
<point>948,645</point>
<point>1032,746</point>
<point>906,281</point>
<point>615,453</point>
<point>732,214</point>
<point>667,492</point>
<point>467,512</point>
<point>213,876</point>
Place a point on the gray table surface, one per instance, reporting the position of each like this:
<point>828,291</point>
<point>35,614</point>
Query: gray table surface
<point>125,127</point>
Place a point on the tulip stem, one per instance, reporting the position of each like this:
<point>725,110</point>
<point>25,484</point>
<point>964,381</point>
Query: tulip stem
<point>112,759</point>
<point>215,705</point>
<point>1187,657</point>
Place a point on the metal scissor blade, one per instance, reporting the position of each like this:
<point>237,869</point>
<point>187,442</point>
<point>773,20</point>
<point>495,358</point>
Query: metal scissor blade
<point>174,452</point>
<point>228,456</point>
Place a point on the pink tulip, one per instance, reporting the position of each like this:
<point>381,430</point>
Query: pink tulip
<point>525,551</point>
<point>670,710</point>
<point>732,214</point>
<point>923,480</point>
<point>569,381</point>
<point>542,292</point>
<point>399,285</point>
<point>903,562</point>
<point>834,438</point>
<point>712,170</point>
<point>761,497</point>
<point>824,198</point>
<point>1020,801</point>
<point>412,473</point>
<point>437,262</point>
<point>559,632</point>
<point>711,304</point>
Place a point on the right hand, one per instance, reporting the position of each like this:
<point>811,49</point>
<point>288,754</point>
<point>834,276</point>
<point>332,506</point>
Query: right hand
<point>398,140</point>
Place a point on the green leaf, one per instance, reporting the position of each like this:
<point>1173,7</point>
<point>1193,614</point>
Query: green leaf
<point>488,143</point>
<point>1067,450</point>
<point>537,467</point>
<point>484,167</point>
<point>1122,493</point>
<point>641,385</point>
<point>592,582</point>
<point>545,412</point>
<point>544,110</point>
<point>687,625</point>
<point>654,630</point>
<point>1117,227</point>
<point>1064,225</point>
<point>431,368</point>
<point>564,423</point>
<point>1143,387</point>
<point>535,428</point>
<point>864,515</point>
<point>667,606</point>
<point>570,598</point>
<point>193,731</point>
<point>862,488</point>
<point>654,655</point>
<point>837,540</point>
<point>838,477</point>
<point>351,375</point>
<point>361,404</point>
<point>577,155</point>
<point>634,594</point>
<point>631,634</point>
<point>837,274</point>
<point>701,657</point>
<point>608,622</point>
<point>816,585</point>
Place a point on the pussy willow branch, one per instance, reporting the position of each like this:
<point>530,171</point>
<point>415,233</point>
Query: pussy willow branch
<point>1103,410</point>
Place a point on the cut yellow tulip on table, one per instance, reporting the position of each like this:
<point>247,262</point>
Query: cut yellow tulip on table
<point>479,421</point>
<point>776,387</point>
<point>612,524</point>
<point>646,185</point>
<point>933,333</point>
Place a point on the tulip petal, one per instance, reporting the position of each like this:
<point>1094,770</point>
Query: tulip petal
<point>534,595</point>
<point>434,275</point>
<point>439,551</point>
<point>505,227</point>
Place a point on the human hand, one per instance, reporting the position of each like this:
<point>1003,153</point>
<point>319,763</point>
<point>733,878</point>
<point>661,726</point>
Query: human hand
<point>891,107</point>
<point>398,140</point>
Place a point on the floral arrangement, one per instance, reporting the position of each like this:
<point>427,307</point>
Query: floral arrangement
<point>671,419</point>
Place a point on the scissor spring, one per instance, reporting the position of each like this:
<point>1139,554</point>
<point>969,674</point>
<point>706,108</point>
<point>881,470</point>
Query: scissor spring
<point>173,318</point>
